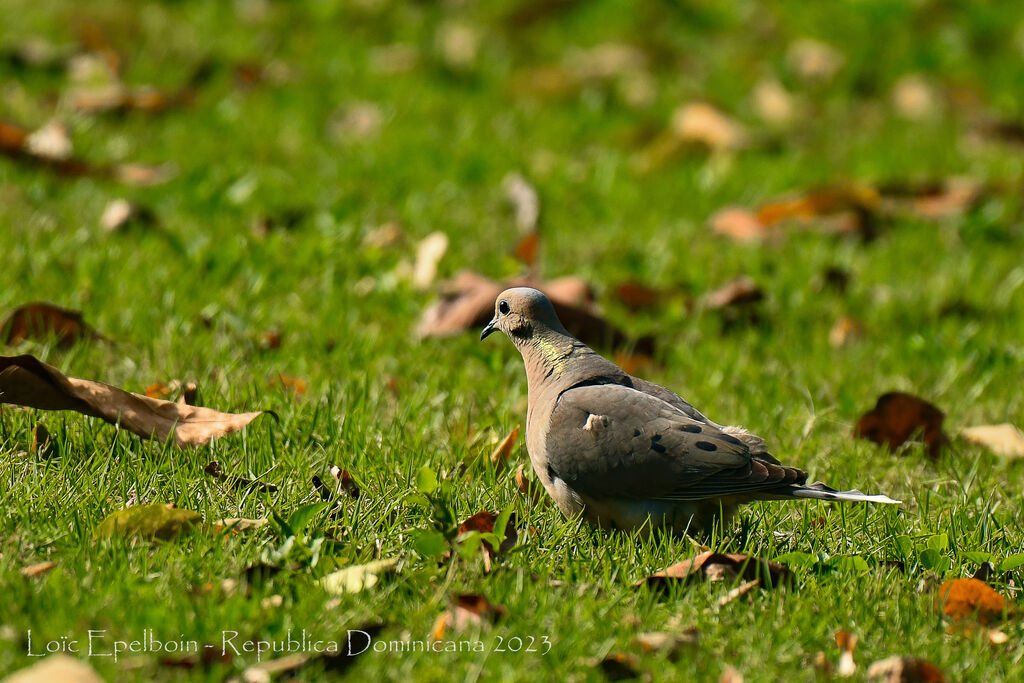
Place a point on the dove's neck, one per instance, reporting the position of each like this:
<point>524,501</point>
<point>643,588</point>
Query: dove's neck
<point>556,361</point>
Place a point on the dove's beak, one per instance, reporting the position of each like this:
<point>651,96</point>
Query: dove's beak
<point>491,327</point>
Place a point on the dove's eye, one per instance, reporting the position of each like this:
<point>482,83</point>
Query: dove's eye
<point>503,307</point>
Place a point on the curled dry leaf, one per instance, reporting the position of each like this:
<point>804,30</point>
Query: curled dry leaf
<point>37,569</point>
<point>483,522</point>
<point>42,443</point>
<point>1004,439</point>
<point>56,668</point>
<point>530,491</point>
<point>898,417</point>
<point>27,381</point>
<point>503,452</point>
<point>701,123</point>
<point>933,199</point>
<point>905,670</point>
<point>738,592</point>
<point>40,321</point>
<point>154,521</point>
<point>970,598</point>
<point>466,611</point>
<point>358,577</point>
<point>847,642</point>
<point>712,566</point>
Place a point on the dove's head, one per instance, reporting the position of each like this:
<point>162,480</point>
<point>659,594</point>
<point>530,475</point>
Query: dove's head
<point>522,312</point>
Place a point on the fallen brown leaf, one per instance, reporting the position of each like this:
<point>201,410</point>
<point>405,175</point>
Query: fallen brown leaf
<point>42,443</point>
<point>914,98</point>
<point>934,199</point>
<point>27,381</point>
<point>466,611</point>
<point>484,523</point>
<point>296,385</point>
<point>814,60</point>
<point>526,250</point>
<point>773,102</point>
<point>1004,439</point>
<point>906,670</point>
<point>428,255</point>
<point>970,598</point>
<point>14,144</point>
<point>531,492</point>
<point>712,566</point>
<point>738,592</point>
<point>898,417</point>
<point>503,452</point>
<point>670,643</point>
<point>701,123</point>
<point>636,296</point>
<point>37,569</point>
<point>40,321</point>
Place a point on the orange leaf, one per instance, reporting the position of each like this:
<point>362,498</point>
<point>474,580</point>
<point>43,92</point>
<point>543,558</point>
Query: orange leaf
<point>897,417</point>
<point>963,598</point>
<point>42,320</point>
<point>38,569</point>
<point>526,250</point>
<point>502,453</point>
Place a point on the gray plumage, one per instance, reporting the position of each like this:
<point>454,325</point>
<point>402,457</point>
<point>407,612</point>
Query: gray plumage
<point>621,450</point>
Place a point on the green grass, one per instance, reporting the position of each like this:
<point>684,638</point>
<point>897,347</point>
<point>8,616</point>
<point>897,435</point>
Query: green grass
<point>192,300</point>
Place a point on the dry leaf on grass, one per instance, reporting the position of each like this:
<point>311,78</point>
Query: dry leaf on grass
<point>905,670</point>
<point>970,598</point>
<point>14,143</point>
<point>483,522</point>
<point>39,321</point>
<point>742,225</point>
<point>847,643</point>
<point>1004,439</point>
<point>503,451</point>
<point>42,443</point>
<point>712,566</point>
<point>27,381</point>
<point>526,250</point>
<point>358,577</point>
<point>773,102</point>
<point>531,491</point>
<point>154,521</point>
<point>55,668</point>
<point>466,611</point>
<point>694,125</point>
<point>730,675</point>
<point>898,417</point>
<point>37,569</point>
<point>296,385</point>
<point>814,60</point>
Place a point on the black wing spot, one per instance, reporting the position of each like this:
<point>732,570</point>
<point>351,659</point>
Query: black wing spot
<point>636,432</point>
<point>729,438</point>
<point>655,446</point>
<point>706,446</point>
<point>693,429</point>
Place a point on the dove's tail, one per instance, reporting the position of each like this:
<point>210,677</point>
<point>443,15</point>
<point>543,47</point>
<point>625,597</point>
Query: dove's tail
<point>819,491</point>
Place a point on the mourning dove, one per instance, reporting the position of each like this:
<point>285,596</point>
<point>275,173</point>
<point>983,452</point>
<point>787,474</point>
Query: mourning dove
<point>623,451</point>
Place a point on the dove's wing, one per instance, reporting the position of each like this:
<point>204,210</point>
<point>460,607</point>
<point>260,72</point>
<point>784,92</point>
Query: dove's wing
<point>613,441</point>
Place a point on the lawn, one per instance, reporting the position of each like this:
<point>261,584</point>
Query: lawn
<point>259,269</point>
